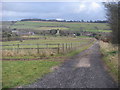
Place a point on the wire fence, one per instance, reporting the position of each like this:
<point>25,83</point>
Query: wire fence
<point>20,38</point>
<point>40,48</point>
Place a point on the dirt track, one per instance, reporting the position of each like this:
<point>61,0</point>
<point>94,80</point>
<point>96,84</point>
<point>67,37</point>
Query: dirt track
<point>85,70</point>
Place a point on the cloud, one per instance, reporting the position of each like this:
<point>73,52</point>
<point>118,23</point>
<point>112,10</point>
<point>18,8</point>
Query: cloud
<point>53,10</point>
<point>95,6</point>
<point>88,7</point>
<point>53,0</point>
<point>30,7</point>
<point>59,19</point>
<point>80,8</point>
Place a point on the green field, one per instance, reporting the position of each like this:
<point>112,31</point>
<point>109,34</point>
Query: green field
<point>98,30</point>
<point>49,46</point>
<point>48,40</point>
<point>75,26</point>
<point>18,73</point>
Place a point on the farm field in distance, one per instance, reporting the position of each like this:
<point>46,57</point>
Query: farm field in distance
<point>73,26</point>
<point>48,39</point>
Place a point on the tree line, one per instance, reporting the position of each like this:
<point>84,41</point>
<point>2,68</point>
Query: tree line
<point>54,20</point>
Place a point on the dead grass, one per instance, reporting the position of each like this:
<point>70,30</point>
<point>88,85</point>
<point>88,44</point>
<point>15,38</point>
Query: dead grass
<point>42,53</point>
<point>110,53</point>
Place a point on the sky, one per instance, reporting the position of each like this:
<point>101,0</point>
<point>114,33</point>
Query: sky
<point>53,10</point>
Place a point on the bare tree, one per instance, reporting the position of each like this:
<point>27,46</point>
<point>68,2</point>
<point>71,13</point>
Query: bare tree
<point>113,17</point>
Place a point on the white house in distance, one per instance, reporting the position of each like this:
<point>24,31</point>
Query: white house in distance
<point>58,32</point>
<point>23,33</point>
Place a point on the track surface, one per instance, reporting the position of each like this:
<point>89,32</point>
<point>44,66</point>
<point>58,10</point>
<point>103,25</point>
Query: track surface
<point>85,70</point>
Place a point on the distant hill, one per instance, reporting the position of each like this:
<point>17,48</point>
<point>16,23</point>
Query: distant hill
<point>73,26</point>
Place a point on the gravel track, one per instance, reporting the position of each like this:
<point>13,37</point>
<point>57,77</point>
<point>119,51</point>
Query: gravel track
<point>85,70</point>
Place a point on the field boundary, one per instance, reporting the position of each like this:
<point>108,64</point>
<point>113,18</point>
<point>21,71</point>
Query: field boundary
<point>58,49</point>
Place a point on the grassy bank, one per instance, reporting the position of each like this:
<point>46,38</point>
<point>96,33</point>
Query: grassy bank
<point>17,73</point>
<point>110,57</point>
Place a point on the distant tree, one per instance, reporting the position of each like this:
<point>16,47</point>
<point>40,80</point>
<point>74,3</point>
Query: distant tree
<point>53,31</point>
<point>82,20</point>
<point>113,16</point>
<point>14,29</point>
<point>91,21</point>
<point>77,34</point>
<point>9,35</point>
<point>94,34</point>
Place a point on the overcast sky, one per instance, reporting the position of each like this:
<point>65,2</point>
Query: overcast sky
<point>53,10</point>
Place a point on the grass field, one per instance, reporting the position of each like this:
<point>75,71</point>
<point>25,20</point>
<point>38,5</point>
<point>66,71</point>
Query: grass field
<point>48,40</point>
<point>98,30</point>
<point>75,26</point>
<point>47,44</point>
<point>17,73</point>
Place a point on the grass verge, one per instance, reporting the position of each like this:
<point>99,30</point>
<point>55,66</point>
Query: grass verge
<point>110,57</point>
<point>0,74</point>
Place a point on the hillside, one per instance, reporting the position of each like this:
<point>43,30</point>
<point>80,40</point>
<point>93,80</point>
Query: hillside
<point>73,26</point>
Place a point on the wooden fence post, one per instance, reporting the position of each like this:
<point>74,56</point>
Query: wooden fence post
<point>63,47</point>
<point>71,46</point>
<point>38,48</point>
<point>58,48</point>
<point>18,48</point>
<point>13,48</point>
<point>66,46</point>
